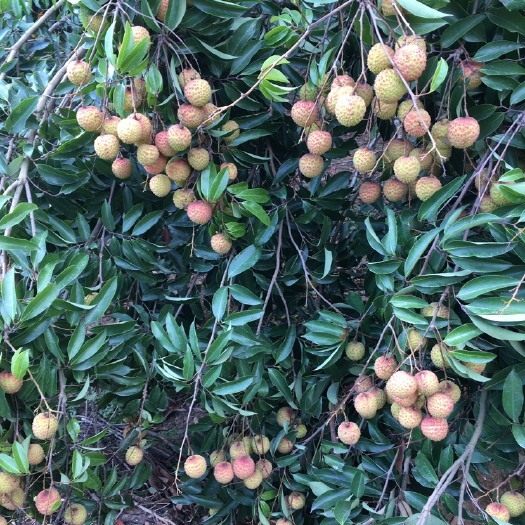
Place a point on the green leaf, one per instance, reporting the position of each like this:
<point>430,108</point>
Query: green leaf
<point>220,8</point>
<point>495,49</point>
<point>175,14</point>
<point>418,249</point>
<point>89,349</point>
<point>41,302</point>
<point>17,119</point>
<point>147,222</point>
<point>440,74</point>
<point>20,363</point>
<point>8,464</point>
<point>245,317</point>
<point>11,244</point>
<point>76,341</point>
<point>458,29</point>
<point>430,208</point>
<point>244,261</point>
<point>462,334</point>
<point>131,217</point>
<point>109,40</point>
<point>213,184</point>
<point>233,387</point>
<point>518,431</point>
<point>20,456</point>
<point>9,299</point>
<point>485,284</point>
<point>279,381</point>
<point>21,211</point>
<point>518,95</point>
<point>256,210</point>
<point>219,302</point>
<point>102,301</point>
<point>390,241</point>
<point>512,396</point>
<point>419,9</point>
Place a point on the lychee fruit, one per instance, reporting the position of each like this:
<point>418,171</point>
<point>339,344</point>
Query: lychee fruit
<point>471,73</point>
<point>355,350</point>
<point>197,92</point>
<point>369,192</point>
<point>158,166</point>
<point>406,106</point>
<point>134,455</point>
<point>425,157</point>
<point>379,397</point>
<point>178,170</point>
<point>147,154</point>
<point>349,110</point>
<point>300,430</point>
<point>265,467</point>
<point>75,514</point>
<point>409,417</point>
<point>401,384</point>
<point>388,9</point>
<point>195,466</point>
<point>254,480</point>
<point>220,243</point>
<point>199,212</point>
<point>129,131</point>
<point>394,190</point>
<point>232,170</point>
<point>186,75</point>
<point>433,428</point>
<point>427,382</point>
<point>160,185</point>
<point>378,58</point>
<point>497,196</point>
<point>397,148</point>
<point>182,198</point>
<point>415,340</point>
<point>285,446</point>
<point>163,144</point>
<point>365,405</point>
<point>296,500</point>
<point>45,425</point>
<point>179,137</point>
<point>342,81</point>
<point>405,401</point>
<point>385,366</point>
<point>426,187</point>
<point>515,503</point>
<point>440,405</point>
<point>90,118</point>
<point>364,160</point>
<point>8,482</point>
<point>440,130</point>
<point>122,168</point>
<point>282,521</point>
<point>395,408</point>
<point>216,457</point>
<point>140,33</point>
<point>348,433</point>
<point>234,131</point>
<point>260,445</point>
<point>304,113</point>
<point>417,122</point>
<point>311,165</point>
<point>9,383</point>
<point>362,384</point>
<point>486,204</point>
<point>198,158</point>
<point>498,511</point>
<point>106,147</point>
<point>209,110</point>
<point>307,92</point>
<point>109,125</point>
<point>388,86</point>
<point>319,142</point>
<point>411,61</point>
<point>365,91</point>
<point>223,472</point>
<point>162,11</point>
<point>243,467</point>
<point>48,501</point>
<point>406,169</point>
<point>145,127</point>
<point>463,132</point>
<point>285,415</point>
<point>190,116</point>
<point>479,368</point>
<point>329,102</point>
<point>438,356</point>
<point>383,110</point>
<point>78,72</point>
<point>35,454</point>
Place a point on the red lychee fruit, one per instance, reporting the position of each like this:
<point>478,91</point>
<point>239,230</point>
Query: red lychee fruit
<point>285,415</point>
<point>48,501</point>
<point>78,72</point>
<point>157,167</point>
<point>348,433</point>
<point>296,500</point>
<point>243,467</point>
<point>383,110</point>
<point>498,511</point>
<point>163,144</point>
<point>440,405</point>
<point>426,187</point>
<point>223,472</point>
<point>44,425</point>
<point>406,169</point>
<point>364,160</point>
<point>385,366</point>
<point>311,165</point>
<point>232,170</point>
<point>355,350</point>
<point>434,428</point>
<point>134,455</point>
<point>388,86</point>
<point>190,116</point>
<point>199,212</point>
<point>197,92</point>
<point>178,170</point>
<point>417,122</point>
<point>427,382</point>
<point>198,158</point>
<point>515,503</point>
<point>129,131</point>
<point>147,154</point>
<point>463,132</point>
<point>409,417</point>
<point>411,61</point>
<point>195,466</point>
<point>401,384</point>
<point>9,383</point>
<point>369,192</point>
<point>35,454</point>
<point>254,480</point>
<point>179,137</point>
<point>260,445</point>
<point>378,58</point>
<point>349,110</point>
<point>304,113</point>
<point>265,467</point>
<point>160,185</point>
<point>450,389</point>
<point>90,118</point>
<point>319,142</point>
<point>394,190</point>
<point>107,147</point>
<point>186,75</point>
<point>122,168</point>
<point>220,243</point>
<point>365,405</point>
<point>285,446</point>
<point>75,514</point>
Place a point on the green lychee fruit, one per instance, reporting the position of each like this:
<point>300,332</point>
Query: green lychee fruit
<point>75,514</point>
<point>285,415</point>
<point>415,341</point>
<point>109,125</point>
<point>383,110</point>
<point>8,482</point>
<point>379,58</point>
<point>234,131</point>
<point>195,466</point>
<point>407,40</point>
<point>216,457</point>
<point>160,185</point>
<point>365,405</point>
<point>198,158</point>
<point>438,356</point>
<point>388,86</point>
<point>394,190</point>
<point>463,132</point>
<point>182,198</point>
<point>145,127</point>
<point>232,170</point>
<point>45,425</point>
<point>364,160</point>
<point>397,148</point>
<point>388,9</point>
<point>349,110</point>
<point>355,350</point>
<point>486,204</point>
<point>497,196</point>
<point>147,154</point>
<point>139,34</point>
<point>211,114</point>
<point>406,106</point>
<point>406,169</point>
<point>254,480</point>
<point>425,157</point>
<point>90,118</point>
<point>179,137</point>
<point>186,75</point>
<point>515,503</point>
<point>35,454</point>
<point>296,500</point>
<point>134,455</point>
<point>78,72</point>
<point>426,187</point>
<point>365,91</point>
<point>285,446</point>
<point>198,92</point>
<point>129,131</point>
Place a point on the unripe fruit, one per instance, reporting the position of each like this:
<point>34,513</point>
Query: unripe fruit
<point>430,310</point>
<point>365,91</point>
<point>122,168</point>
<point>92,23</point>
<point>129,131</point>
<point>355,350</point>
<point>9,383</point>
<point>223,472</point>
<point>378,58</point>
<point>90,118</point>
<point>160,185</point>
<point>411,61</point>
<point>157,167</point>
<point>409,417</point>
<point>182,198</point>
<point>178,171</point>
<point>107,147</point>
<point>401,384</point>
<point>308,92</point>
<point>434,428</point>
<point>385,366</point>
<point>426,159</point>
<point>463,132</point>
<point>311,165</point>
<point>190,116</point>
<point>162,12</point>
<point>379,397</point>
<point>388,86</point>
<point>394,190</point>
<point>195,466</point>
<point>47,501</point>
<point>8,482</point>
<point>147,154</point>
<point>140,33</point>
<point>300,431</point>
<point>395,408</point>
<point>440,405</point>
<point>285,415</point>
<point>405,401</point>
<point>383,110</point>
<point>260,445</point>
<point>365,405</point>
<point>132,99</point>
<point>285,446</point>
<point>471,73</point>
<point>362,384</point>
<point>426,187</point>
<point>134,455</point>
<point>349,110</point>
<point>498,511</point>
<point>406,169</point>
<point>348,433</point>
<point>199,212</point>
<point>415,341</point>
<point>296,500</point>
<point>232,170</point>
<point>179,138</point>
<point>407,40</point>
<point>319,142</point>
<point>45,425</point>
<point>476,367</point>
<point>109,125</point>
<point>487,205</point>
<point>209,110</point>
<point>145,128</point>
<point>14,500</point>
<point>369,192</point>
<point>186,75</point>
<point>497,196</point>
<point>234,130</point>
<point>220,244</point>
<point>364,160</point>
<point>515,503</point>
<point>216,457</point>
<point>198,92</point>
<point>35,454</point>
<point>417,122</point>
<point>198,158</point>
<point>427,382</point>
<point>342,81</point>
<point>438,356</point>
<point>440,130</point>
<point>78,72</point>
<point>388,9</point>
<point>397,148</point>
<point>265,467</point>
<point>304,113</point>
<point>329,102</point>
<point>75,514</point>
<point>254,480</point>
<point>243,467</point>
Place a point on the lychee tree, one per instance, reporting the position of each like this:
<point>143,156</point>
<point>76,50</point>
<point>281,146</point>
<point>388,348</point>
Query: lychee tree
<point>262,261</point>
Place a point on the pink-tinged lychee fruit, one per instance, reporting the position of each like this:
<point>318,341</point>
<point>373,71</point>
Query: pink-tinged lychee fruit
<point>355,350</point>
<point>216,457</point>
<point>388,86</point>
<point>145,128</point>
<point>129,131</point>
<point>471,73</point>
<point>199,212</point>
<point>182,198</point>
<point>198,92</point>
<point>35,454</point>
<point>407,40</point>
<point>122,168</point>
<point>195,466</point>
<point>394,190</point>
<point>163,144</point>
<point>212,115</point>
<point>427,382</point>
<point>254,480</point>
<point>405,401</point>
<point>48,501</point>
<point>158,166</point>
<point>425,157</point>
<point>223,472</point>
<point>379,397</point>
<point>369,192</point>
<point>232,170</point>
<point>383,110</point>
<point>134,455</point>
<point>285,446</point>
<point>515,503</point>
<point>364,160</point>
<point>160,185</point>
<point>190,116</point>
<point>139,34</point>
<point>233,130</point>
<point>220,243</point>
<point>438,356</point>
<point>243,467</point>
<point>109,125</point>
<point>296,500</point>
<point>406,169</point>
<point>9,383</point>
<point>240,447</point>
<point>260,445</point>
<point>348,433</point>
<point>365,91</point>
<point>265,467</point>
<point>411,61</point>
<point>406,106</point>
<point>417,122</point>
<point>75,514</point>
<point>365,405</point>
<point>45,425</point>
<point>479,368</point>
<point>304,113</point>
<point>415,341</point>
<point>178,170</point>
<point>362,384</point>
<point>378,58</point>
<point>463,132</point>
<point>285,415</point>
<point>198,158</point>
<point>409,417</point>
<point>426,187</point>
<point>349,110</point>
<point>498,511</point>
<point>78,72</point>
<point>106,147</point>
<point>440,405</point>
<point>89,118</point>
<point>8,482</point>
<point>179,137</point>
<point>401,384</point>
<point>433,428</point>
<point>319,142</point>
<point>186,75</point>
<point>397,148</point>
<point>311,165</point>
<point>385,366</point>
<point>147,154</point>
<point>342,81</point>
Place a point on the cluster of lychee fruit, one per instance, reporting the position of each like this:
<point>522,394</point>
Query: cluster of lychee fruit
<point>511,505</point>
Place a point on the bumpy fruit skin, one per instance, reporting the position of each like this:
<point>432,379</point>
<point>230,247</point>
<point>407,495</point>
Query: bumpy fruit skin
<point>109,125</point>
<point>515,503</point>
<point>417,122</point>
<point>45,425</point>
<point>220,244</point>
<point>178,171</point>
<point>434,428</point>
<point>401,384</point>
<point>285,446</point>
<point>438,356</point>
<point>487,205</point>
<point>329,102</point>
<point>223,472</point>
<point>163,144</point>
<point>476,367</point>
<point>388,86</point>
<point>342,81</point>
<point>9,383</point>
<point>365,405</point>
<point>397,148</point>
<point>195,466</point>
<point>300,430</point>
<point>426,187</point>
<point>78,72</point>
<point>254,480</point>
<point>182,198</point>
<point>122,168</point>
<point>140,33</point>
<point>409,417</point>
<point>147,154</point>
<point>3,521</point>
<point>35,454</point>
<point>232,170</point>
<point>355,350</point>
<point>411,61</point>
<point>405,401</point>
<point>388,9</point>
<point>348,433</point>
<point>265,467</point>
<point>145,128</point>
<point>191,116</point>
<point>471,73</point>
<point>8,483</point>
<point>440,405</point>
<point>216,457</point>
<point>234,130</point>
<point>209,110</point>
<point>362,384</point>
<point>369,192</point>
<point>406,169</point>
<point>47,501</point>
<point>385,366</point>
<point>240,448</point>
<point>285,415</point>
<point>198,158</point>
<point>349,110</point>
<point>427,382</point>
<point>134,455</point>
<point>304,113</point>
<point>308,92</point>
<point>260,445</point>
<point>75,514</point>
<point>157,167</point>
<point>378,58</point>
<point>365,91</point>
<point>405,107</point>
<point>160,185</point>
<point>311,165</point>
<point>319,142</point>
<point>498,511</point>
<point>199,212</point>
<point>296,500</point>
<point>179,137</point>
<point>394,190</point>
<point>129,131</point>
<point>407,40</point>
<point>243,467</point>
<point>379,397</point>
<point>383,110</point>
<point>90,118</point>
<point>497,196</point>
<point>186,75</point>
<point>395,408</point>
<point>425,157</point>
<point>198,92</point>
<point>415,341</point>
<point>162,11</point>
<point>463,132</point>
<point>364,160</point>
<point>106,147</point>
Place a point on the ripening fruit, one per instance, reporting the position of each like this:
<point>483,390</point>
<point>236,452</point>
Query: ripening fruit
<point>75,514</point>
<point>362,384</point>
<point>139,34</point>
<point>379,397</point>
<point>476,367</point>
<point>179,138</point>
<point>364,160</point>
<point>515,503</point>
<point>147,154</point>
<point>220,243</point>
<point>285,415</point>
<point>497,196</point>
<point>35,454</point>
<point>9,383</point>
<point>122,168</point>
<point>405,401</point>
<point>365,91</point>
<point>450,389</point>
<point>406,106</point>
<point>397,148</point>
<point>265,467</point>
<point>385,366</point>
<point>471,73</point>
<point>369,192</point>
<point>355,350</point>
<point>409,417</point>
<point>433,428</point>
<point>416,122</point>
<point>234,130</point>
<point>406,40</point>
<point>438,356</point>
<point>427,382</point>
<point>388,86</point>
<point>223,472</point>
<point>349,110</point>
<point>160,185</point>
<point>304,113</point>
<point>48,501</point>
<point>145,127</point>
<point>285,446</point>
<point>411,61</point>
<point>260,445</point>
<point>296,500</point>
<point>90,118</point>
<point>216,457</point>
<point>342,81</point>
<point>107,147</point>
<point>158,166</point>
<point>463,132</point>
<point>415,340</point>
<point>254,480</point>
<point>329,102</point>
<point>383,110</point>
<point>8,482</point>
<point>45,425</point>
<point>388,9</point>
<point>394,190</point>
<point>243,467</point>
<point>109,125</point>
<point>199,212</point>
<point>198,92</point>
<point>406,169</point>
<point>365,405</point>
<point>190,116</point>
<point>92,23</point>
<point>395,408</point>
<point>348,433</point>
<point>3,521</point>
<point>129,131</point>
<point>232,170</point>
<point>198,158</point>
<point>440,405</point>
<point>308,92</point>
<point>186,75</point>
<point>209,110</point>
<point>78,72</point>
<point>195,466</point>
<point>498,511</point>
<point>311,165</point>
<point>425,157</point>
<point>379,58</point>
<point>426,187</point>
<point>319,142</point>
<point>300,431</point>
<point>134,455</point>
<point>178,170</point>
<point>401,384</point>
